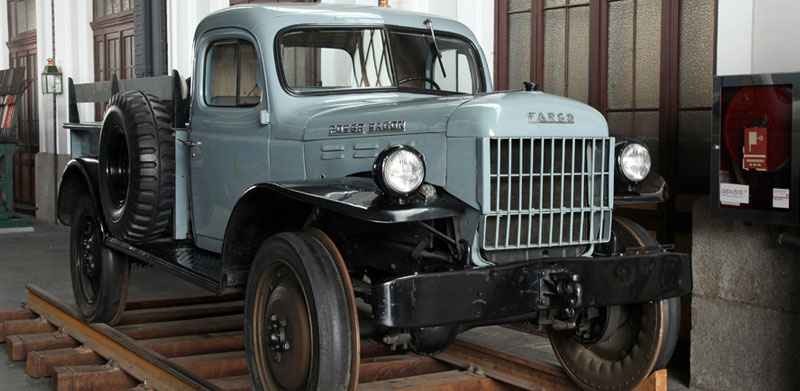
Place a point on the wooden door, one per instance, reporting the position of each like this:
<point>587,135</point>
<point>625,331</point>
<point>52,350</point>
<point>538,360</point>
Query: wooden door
<point>28,129</point>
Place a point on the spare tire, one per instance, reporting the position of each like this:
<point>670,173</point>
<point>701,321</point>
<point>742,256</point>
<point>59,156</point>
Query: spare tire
<point>137,167</point>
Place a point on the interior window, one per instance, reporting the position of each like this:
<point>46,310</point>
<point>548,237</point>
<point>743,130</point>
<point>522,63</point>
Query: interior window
<point>458,72</point>
<point>335,59</point>
<point>232,75</point>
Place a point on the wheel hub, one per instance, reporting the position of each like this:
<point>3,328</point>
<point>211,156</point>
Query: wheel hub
<point>87,260</point>
<point>277,335</point>
<point>288,334</point>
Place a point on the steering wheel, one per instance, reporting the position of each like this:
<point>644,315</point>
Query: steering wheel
<point>424,78</point>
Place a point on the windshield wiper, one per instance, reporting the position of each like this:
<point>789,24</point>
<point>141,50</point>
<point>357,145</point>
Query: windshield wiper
<point>436,46</point>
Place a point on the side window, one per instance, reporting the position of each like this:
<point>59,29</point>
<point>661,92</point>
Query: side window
<point>231,74</point>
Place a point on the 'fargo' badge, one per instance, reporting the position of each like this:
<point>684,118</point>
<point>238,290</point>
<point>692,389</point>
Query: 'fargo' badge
<point>551,118</point>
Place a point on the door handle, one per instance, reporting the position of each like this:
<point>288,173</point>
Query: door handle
<point>190,143</point>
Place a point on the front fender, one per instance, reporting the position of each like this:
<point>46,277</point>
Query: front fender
<point>360,198</point>
<point>79,179</point>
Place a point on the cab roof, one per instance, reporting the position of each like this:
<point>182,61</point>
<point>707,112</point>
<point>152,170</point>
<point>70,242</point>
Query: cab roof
<point>273,17</point>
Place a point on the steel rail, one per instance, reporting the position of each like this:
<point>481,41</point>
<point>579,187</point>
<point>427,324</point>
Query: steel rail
<point>143,364</point>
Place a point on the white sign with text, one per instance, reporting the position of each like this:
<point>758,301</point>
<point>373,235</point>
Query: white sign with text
<point>733,194</point>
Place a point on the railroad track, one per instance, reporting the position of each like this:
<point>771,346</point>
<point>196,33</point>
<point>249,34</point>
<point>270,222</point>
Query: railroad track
<point>196,343</point>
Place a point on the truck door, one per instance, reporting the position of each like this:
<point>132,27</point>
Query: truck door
<point>228,133</point>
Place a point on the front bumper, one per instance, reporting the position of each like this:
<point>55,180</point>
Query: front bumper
<point>482,296</point>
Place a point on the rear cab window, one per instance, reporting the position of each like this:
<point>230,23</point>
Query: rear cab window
<point>231,74</point>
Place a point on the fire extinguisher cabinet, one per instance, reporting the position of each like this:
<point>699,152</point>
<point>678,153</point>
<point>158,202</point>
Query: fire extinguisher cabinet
<point>755,157</point>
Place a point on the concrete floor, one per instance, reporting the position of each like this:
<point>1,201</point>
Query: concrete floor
<point>40,258</point>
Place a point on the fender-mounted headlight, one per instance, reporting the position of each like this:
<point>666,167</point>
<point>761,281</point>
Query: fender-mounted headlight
<point>399,170</point>
<point>633,161</point>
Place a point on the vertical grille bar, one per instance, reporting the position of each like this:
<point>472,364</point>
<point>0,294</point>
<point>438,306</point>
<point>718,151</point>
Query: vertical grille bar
<point>531,178</point>
<point>561,193</point>
<point>552,188</point>
<point>602,187</point>
<point>572,197</point>
<point>519,198</point>
<point>497,197</point>
<point>592,184</point>
<point>583,189</point>
<point>509,174</point>
<point>542,143</point>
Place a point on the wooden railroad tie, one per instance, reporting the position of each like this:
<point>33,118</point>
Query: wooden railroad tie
<point>197,343</point>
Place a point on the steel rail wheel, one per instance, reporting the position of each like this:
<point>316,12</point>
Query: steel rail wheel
<point>641,339</point>
<point>298,325</point>
<point>355,341</point>
<point>99,275</point>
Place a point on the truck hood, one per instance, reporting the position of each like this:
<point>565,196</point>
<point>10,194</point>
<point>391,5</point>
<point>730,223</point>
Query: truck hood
<point>517,114</point>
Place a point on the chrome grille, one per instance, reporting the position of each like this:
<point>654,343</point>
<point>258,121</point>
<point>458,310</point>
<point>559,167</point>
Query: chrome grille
<point>546,192</point>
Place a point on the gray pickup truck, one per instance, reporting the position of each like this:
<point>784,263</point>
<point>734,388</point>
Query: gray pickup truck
<point>350,170</point>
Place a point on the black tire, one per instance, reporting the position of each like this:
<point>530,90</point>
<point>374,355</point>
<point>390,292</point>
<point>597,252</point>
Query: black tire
<point>295,295</point>
<point>137,167</point>
<point>641,342</point>
<point>99,274</point>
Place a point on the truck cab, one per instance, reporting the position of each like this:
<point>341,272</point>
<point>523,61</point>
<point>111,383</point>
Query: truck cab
<point>351,171</point>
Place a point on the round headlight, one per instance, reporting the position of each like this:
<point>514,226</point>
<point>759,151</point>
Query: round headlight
<point>634,162</point>
<point>399,170</point>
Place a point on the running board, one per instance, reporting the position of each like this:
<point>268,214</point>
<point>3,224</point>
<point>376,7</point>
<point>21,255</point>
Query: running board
<point>180,258</point>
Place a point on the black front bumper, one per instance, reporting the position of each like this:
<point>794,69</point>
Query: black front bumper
<point>481,296</point>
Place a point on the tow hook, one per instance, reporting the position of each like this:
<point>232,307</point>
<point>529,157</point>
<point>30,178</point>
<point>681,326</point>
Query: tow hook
<point>560,289</point>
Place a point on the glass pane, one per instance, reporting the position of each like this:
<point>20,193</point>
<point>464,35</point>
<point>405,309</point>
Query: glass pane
<point>12,12</point>
<point>519,5</point>
<point>129,51</point>
<point>22,17</point>
<point>519,56</point>
<point>100,8</point>
<point>620,125</point>
<point>554,3</point>
<point>646,131</point>
<point>126,5</point>
<point>620,54</point>
<point>31,13</point>
<point>116,6</point>
<point>578,80</point>
<point>113,54</point>
<point>249,92</point>
<point>554,33</point>
<point>108,6</point>
<point>574,2</point>
<point>34,93</point>
<point>221,74</point>
<point>694,142</point>
<point>697,53</point>
<point>648,53</point>
<point>101,56</point>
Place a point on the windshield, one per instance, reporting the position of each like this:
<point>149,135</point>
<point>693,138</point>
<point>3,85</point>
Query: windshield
<point>318,60</point>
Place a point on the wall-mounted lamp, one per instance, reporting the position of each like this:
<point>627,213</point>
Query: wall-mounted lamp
<point>51,78</point>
